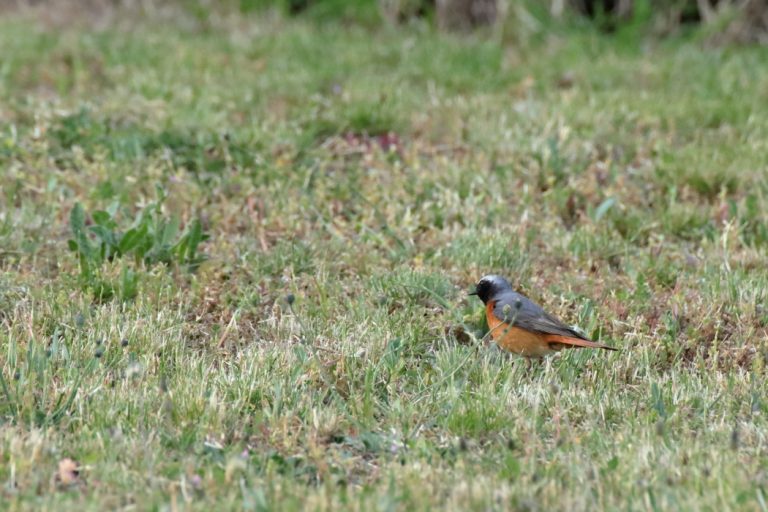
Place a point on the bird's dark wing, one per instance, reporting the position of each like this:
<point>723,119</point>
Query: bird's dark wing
<point>522,312</point>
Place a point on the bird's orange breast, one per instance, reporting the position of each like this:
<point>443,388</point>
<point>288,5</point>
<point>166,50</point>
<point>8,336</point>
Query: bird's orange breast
<point>515,339</point>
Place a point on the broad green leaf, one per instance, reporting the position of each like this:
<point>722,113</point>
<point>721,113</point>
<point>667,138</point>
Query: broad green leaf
<point>604,207</point>
<point>77,218</point>
<point>132,238</point>
<point>112,209</point>
<point>194,237</point>
<point>104,234</point>
<point>102,218</point>
<point>77,224</point>
<point>169,232</point>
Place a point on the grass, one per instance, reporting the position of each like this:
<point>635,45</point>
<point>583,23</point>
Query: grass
<point>346,186</point>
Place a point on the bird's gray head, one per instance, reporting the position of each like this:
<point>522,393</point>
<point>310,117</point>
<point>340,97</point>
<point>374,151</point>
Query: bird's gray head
<point>490,286</point>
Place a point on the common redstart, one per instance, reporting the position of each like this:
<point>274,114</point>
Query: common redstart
<point>521,326</point>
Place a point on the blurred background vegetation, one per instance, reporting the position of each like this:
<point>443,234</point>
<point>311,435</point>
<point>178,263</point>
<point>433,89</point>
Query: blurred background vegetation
<point>716,22</point>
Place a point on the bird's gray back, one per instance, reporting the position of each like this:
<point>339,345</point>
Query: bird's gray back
<point>512,304</point>
<point>520,311</point>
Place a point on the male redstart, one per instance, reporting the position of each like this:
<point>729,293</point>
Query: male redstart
<point>521,326</point>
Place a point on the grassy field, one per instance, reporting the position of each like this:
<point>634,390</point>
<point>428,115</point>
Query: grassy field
<point>234,264</point>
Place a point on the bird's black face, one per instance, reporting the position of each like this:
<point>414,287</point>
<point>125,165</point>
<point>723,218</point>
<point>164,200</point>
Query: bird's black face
<point>489,287</point>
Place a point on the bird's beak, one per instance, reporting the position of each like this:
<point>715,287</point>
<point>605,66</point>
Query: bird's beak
<point>473,292</point>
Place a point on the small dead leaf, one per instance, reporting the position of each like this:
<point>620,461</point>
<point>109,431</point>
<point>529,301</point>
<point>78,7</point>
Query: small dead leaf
<point>459,334</point>
<point>68,473</point>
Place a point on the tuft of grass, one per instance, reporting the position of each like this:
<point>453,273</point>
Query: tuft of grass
<point>151,240</point>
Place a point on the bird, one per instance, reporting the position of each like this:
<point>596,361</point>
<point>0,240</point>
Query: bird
<point>519,325</point>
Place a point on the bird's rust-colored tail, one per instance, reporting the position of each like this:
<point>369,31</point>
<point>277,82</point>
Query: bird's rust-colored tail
<point>574,342</point>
